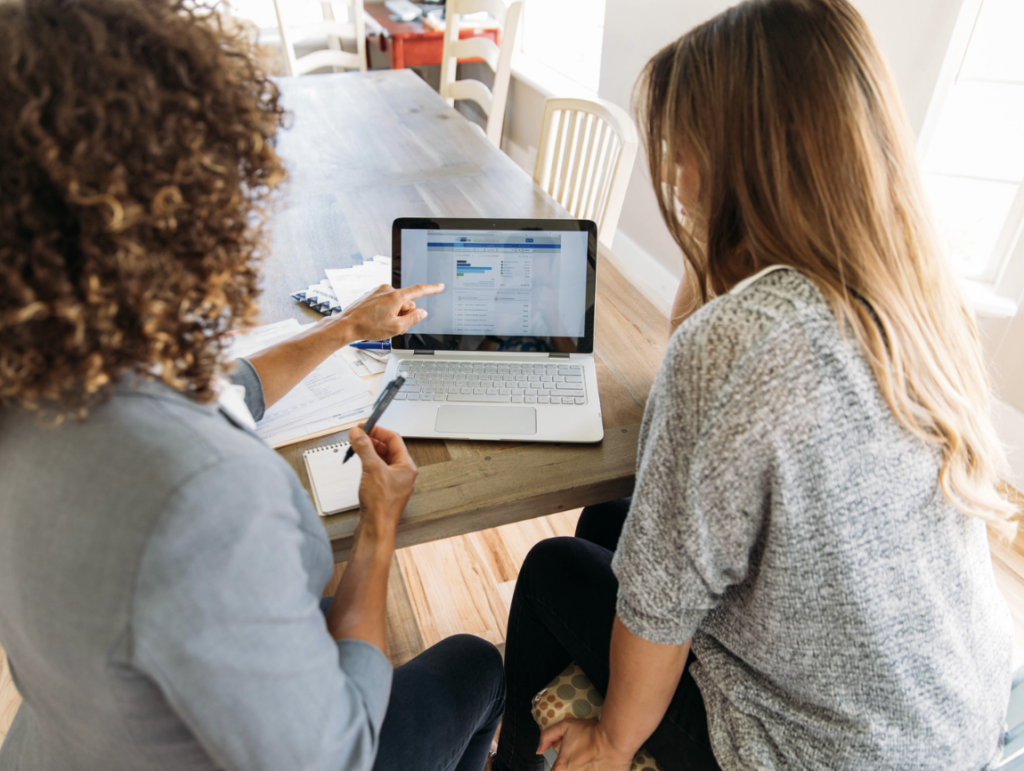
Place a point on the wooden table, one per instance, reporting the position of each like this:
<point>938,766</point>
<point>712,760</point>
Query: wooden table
<point>369,147</point>
<point>411,44</point>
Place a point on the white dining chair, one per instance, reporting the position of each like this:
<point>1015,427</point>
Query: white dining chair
<point>584,159</point>
<point>334,30</point>
<point>498,58</point>
<point>1013,740</point>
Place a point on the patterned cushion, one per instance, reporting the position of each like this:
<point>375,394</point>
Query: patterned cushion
<point>571,695</point>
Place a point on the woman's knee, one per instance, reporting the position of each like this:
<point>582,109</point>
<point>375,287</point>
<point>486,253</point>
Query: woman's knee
<point>469,653</point>
<point>556,565</point>
<point>602,523</point>
<point>547,557</point>
<point>473,650</point>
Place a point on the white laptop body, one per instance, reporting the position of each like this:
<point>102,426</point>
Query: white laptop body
<point>506,352</point>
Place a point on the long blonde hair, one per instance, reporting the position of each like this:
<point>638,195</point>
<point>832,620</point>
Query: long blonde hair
<point>806,159</point>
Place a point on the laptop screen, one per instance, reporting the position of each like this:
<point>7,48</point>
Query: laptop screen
<point>510,285</point>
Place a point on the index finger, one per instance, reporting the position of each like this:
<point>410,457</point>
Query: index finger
<point>419,290</point>
<point>364,447</point>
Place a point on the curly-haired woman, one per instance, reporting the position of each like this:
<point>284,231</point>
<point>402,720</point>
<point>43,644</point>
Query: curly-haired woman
<point>802,578</point>
<point>160,567</point>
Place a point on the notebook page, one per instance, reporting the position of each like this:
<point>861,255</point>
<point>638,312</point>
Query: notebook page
<point>335,485</point>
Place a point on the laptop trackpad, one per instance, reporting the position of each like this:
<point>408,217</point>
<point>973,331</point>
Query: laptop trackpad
<point>452,419</point>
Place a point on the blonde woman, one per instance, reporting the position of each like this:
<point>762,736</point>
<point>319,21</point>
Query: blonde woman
<point>802,577</point>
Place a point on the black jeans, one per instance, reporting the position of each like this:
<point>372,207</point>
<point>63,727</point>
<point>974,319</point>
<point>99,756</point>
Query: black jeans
<point>445,707</point>
<point>562,611</point>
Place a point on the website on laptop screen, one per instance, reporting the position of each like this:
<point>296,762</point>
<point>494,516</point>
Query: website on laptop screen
<point>505,284</point>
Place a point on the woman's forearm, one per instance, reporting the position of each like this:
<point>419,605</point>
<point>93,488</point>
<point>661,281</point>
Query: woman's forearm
<point>388,479</point>
<point>379,315</point>
<point>283,366</point>
<point>644,676</point>
<point>358,610</point>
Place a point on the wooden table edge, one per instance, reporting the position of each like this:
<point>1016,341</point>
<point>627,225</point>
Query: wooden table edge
<point>449,499</point>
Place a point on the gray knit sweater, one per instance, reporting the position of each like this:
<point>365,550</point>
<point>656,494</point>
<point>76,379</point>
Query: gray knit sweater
<point>843,613</point>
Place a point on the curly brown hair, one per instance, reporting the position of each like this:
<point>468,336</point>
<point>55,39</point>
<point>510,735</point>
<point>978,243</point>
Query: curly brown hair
<point>136,151</point>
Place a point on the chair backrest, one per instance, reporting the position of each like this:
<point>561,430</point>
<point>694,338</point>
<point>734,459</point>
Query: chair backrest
<point>498,58</point>
<point>585,157</point>
<point>1013,749</point>
<point>333,56</point>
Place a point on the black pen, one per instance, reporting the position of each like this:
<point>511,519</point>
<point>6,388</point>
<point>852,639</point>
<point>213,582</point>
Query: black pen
<point>378,409</point>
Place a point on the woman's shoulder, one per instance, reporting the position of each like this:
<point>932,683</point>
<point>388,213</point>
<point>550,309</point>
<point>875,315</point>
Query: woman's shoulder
<point>148,472</point>
<point>134,450</point>
<point>749,311</point>
<point>778,317</point>
<point>151,414</point>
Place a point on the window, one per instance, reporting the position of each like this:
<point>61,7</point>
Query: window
<point>564,36</point>
<point>259,12</point>
<point>972,150</point>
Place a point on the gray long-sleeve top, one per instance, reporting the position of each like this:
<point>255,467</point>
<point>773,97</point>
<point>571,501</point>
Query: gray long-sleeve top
<point>160,576</point>
<point>843,613</point>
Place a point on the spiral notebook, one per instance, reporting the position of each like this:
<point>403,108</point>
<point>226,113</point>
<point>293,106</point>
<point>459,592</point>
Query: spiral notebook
<point>335,485</point>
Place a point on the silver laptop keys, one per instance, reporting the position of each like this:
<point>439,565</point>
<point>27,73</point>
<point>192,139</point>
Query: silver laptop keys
<point>501,383</point>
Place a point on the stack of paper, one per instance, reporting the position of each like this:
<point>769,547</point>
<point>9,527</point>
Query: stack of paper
<point>329,397</point>
<point>344,286</point>
<point>319,297</point>
<point>351,284</point>
<point>434,19</point>
<point>365,363</point>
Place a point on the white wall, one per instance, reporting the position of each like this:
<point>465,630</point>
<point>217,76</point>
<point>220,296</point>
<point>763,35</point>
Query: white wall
<point>1010,424</point>
<point>1004,349</point>
<point>524,112</point>
<point>913,35</point>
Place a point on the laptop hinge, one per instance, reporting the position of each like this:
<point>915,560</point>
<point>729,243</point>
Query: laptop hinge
<point>558,356</point>
<point>422,353</point>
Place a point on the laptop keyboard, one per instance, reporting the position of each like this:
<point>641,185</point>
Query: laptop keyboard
<point>453,381</point>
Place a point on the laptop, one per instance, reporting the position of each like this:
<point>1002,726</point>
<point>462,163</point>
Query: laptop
<point>507,350</point>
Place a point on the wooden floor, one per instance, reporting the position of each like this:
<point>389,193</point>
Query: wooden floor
<point>461,584</point>
<point>465,584</point>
